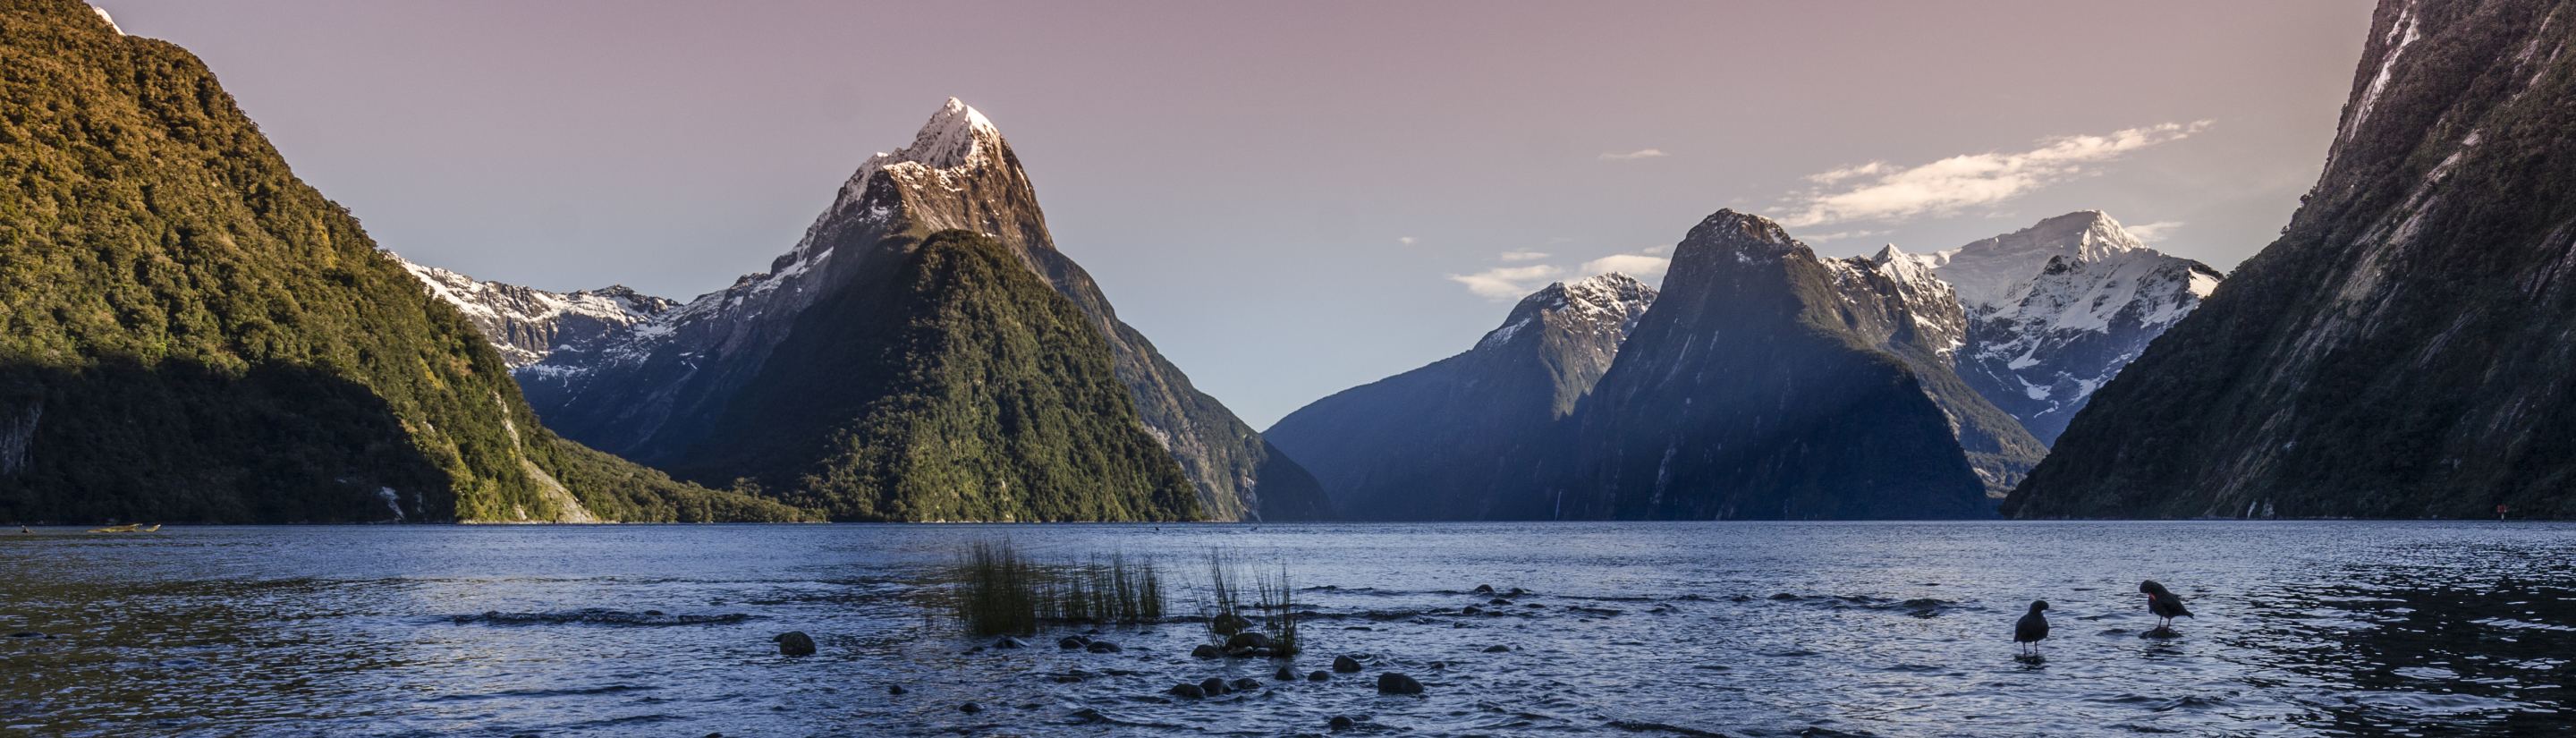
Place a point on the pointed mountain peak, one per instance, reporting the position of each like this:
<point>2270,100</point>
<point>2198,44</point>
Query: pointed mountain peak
<point>1887,254</point>
<point>955,136</point>
<point>1743,234</point>
<point>1728,225</point>
<point>1610,282</point>
<point>1616,298</point>
<point>2086,235</point>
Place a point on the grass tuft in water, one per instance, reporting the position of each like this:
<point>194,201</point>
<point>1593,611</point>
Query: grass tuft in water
<point>1271,606</point>
<point>1001,591</point>
<point>1278,605</point>
<point>997,589</point>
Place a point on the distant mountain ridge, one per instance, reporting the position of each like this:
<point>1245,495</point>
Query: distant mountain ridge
<point>526,323</point>
<point>2055,310</point>
<point>1436,442</point>
<point>1769,383</point>
<point>650,391</point>
<point>2048,313</point>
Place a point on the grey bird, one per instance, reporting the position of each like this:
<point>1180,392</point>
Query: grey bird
<point>2032,629</point>
<point>2166,605</point>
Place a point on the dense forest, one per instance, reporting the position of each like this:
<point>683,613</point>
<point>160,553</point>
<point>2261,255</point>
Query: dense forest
<point>194,335</point>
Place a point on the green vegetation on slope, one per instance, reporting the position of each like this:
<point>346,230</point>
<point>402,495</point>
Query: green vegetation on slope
<point>190,333</point>
<point>961,387</point>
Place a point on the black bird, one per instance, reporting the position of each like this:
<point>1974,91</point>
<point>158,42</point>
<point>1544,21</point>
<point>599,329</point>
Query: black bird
<point>2032,629</point>
<point>2164,604</point>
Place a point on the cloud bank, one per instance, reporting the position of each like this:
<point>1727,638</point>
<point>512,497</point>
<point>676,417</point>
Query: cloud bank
<point>1632,155</point>
<point>1647,269</point>
<point>1879,191</point>
<point>1508,283</point>
<point>2155,230</point>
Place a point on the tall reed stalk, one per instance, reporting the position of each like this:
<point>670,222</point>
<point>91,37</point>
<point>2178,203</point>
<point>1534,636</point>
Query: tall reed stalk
<point>999,590</point>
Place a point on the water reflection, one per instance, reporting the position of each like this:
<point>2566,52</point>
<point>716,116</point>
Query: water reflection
<point>1739,629</point>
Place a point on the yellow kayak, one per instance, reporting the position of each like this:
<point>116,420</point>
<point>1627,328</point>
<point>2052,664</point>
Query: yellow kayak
<point>126,528</point>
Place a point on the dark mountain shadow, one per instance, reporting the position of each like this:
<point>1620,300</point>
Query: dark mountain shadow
<point>183,442</point>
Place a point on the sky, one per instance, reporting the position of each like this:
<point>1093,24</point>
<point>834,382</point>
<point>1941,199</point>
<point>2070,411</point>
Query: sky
<point>1289,199</point>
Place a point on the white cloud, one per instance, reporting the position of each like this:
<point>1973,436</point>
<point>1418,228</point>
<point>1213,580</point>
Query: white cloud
<point>1664,249</point>
<point>1524,255</point>
<point>1407,240</point>
<point>1644,268</point>
<point>1508,283</point>
<point>1633,155</point>
<point>1840,235</point>
<point>1878,191</point>
<point>2155,230</point>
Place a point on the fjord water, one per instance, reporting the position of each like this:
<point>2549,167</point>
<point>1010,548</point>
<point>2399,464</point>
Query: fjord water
<point>1743,629</point>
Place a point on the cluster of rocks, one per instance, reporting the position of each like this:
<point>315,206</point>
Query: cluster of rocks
<point>1087,643</point>
<point>1213,687</point>
<point>1244,645</point>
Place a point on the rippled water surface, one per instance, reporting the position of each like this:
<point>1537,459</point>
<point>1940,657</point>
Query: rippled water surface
<point>1739,629</point>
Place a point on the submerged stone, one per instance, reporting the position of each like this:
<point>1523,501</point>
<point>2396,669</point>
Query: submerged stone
<point>1397,683</point>
<point>794,643</point>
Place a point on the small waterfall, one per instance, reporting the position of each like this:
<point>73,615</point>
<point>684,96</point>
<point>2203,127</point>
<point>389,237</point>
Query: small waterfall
<point>18,436</point>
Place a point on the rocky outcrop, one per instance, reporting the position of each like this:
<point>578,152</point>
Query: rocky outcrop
<point>2403,350</point>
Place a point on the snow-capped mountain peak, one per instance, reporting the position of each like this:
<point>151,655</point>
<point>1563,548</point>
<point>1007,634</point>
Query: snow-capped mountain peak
<point>525,324</point>
<point>1603,304</point>
<point>1985,272</point>
<point>2056,309</point>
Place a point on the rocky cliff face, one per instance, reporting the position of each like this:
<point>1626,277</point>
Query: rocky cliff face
<point>1768,383</point>
<point>2055,310</point>
<point>526,323</point>
<point>1438,442</point>
<point>2403,349</point>
<point>649,392</point>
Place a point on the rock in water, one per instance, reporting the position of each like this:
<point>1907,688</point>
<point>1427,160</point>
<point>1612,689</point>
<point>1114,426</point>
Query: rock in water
<point>1340,722</point>
<point>1395,683</point>
<point>1103,647</point>
<point>1319,676</point>
<point>1346,664</point>
<point>794,643</point>
<point>1213,686</point>
<point>1187,691</point>
<point>1247,639</point>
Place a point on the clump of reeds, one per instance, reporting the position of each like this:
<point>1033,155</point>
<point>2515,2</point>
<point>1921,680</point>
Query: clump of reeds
<point>1111,591</point>
<point>1279,606</point>
<point>1272,607</point>
<point>999,590</point>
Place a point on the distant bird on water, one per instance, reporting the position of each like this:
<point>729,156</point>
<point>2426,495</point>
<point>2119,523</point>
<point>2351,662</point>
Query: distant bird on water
<point>2032,629</point>
<point>2164,604</point>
